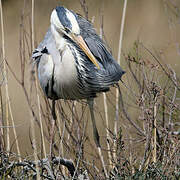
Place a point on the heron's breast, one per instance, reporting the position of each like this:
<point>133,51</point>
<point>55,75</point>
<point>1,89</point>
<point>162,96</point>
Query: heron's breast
<point>65,75</point>
<point>65,70</point>
<point>45,69</point>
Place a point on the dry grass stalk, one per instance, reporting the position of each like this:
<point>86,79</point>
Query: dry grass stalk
<point>84,7</point>
<point>2,144</point>
<point>154,151</point>
<point>15,133</point>
<point>107,132</point>
<point>32,117</point>
<point>61,135</point>
<point>105,104</point>
<point>8,103</point>
<point>5,79</point>
<point>117,91</point>
<point>40,120</point>
<point>52,130</point>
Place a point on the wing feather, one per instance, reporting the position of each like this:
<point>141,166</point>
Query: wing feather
<point>110,71</point>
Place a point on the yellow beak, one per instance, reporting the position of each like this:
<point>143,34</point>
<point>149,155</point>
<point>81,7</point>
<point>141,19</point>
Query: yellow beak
<point>79,40</point>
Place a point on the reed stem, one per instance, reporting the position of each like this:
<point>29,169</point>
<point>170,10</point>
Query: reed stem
<point>119,61</point>
<point>32,119</point>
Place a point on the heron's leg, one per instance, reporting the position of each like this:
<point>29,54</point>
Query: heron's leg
<point>95,131</point>
<point>52,127</point>
<point>96,134</point>
<point>53,110</point>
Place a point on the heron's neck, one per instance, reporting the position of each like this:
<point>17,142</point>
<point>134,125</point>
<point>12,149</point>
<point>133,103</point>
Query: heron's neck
<point>60,41</point>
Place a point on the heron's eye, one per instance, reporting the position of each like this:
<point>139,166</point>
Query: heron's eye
<point>67,30</point>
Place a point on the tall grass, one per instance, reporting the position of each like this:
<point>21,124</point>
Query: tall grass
<point>5,76</point>
<point>32,118</point>
<point>8,108</point>
<point>119,61</point>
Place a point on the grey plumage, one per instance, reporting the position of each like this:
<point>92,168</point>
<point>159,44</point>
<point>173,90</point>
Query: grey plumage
<point>89,79</point>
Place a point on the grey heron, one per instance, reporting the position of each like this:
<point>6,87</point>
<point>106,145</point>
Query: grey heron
<point>73,62</point>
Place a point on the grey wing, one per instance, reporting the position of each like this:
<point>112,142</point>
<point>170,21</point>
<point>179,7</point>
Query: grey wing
<point>45,56</point>
<point>110,71</point>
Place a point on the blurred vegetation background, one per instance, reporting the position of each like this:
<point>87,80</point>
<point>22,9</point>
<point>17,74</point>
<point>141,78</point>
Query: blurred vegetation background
<point>151,40</point>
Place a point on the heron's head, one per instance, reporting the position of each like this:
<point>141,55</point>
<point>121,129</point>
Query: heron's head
<point>65,23</point>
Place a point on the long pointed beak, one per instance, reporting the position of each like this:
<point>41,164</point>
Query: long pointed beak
<point>79,40</point>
